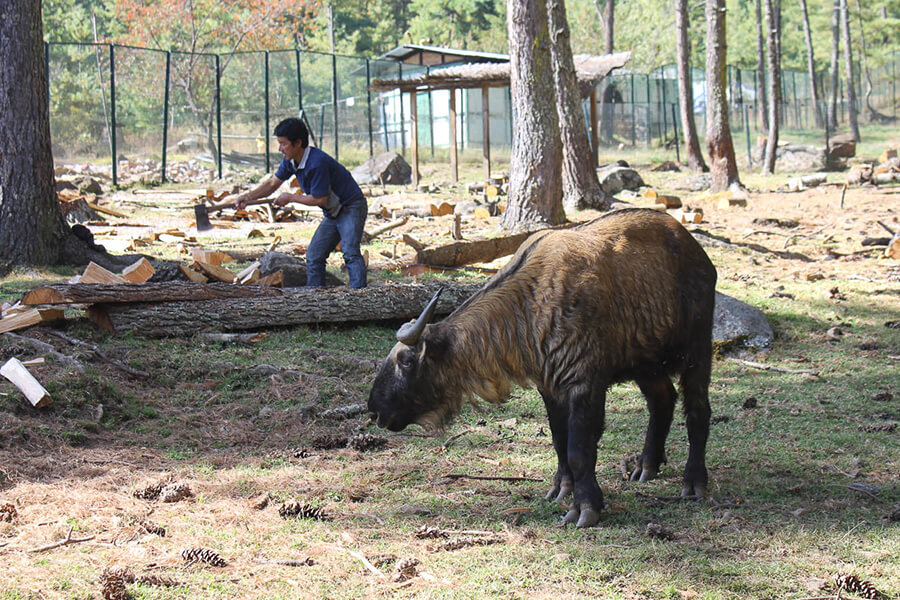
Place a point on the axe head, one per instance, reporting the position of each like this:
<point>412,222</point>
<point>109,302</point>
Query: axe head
<point>201,215</point>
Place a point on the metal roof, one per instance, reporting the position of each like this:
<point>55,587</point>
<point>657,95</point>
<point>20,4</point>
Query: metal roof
<point>419,54</point>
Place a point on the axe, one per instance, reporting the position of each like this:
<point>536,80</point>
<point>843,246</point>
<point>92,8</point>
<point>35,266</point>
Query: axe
<point>201,211</point>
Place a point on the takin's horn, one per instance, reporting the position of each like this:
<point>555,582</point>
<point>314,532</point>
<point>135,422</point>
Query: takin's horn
<point>409,333</point>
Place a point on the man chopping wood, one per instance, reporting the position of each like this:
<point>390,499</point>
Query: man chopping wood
<point>323,182</point>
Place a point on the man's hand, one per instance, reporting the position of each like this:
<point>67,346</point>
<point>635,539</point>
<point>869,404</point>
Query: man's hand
<point>241,200</point>
<point>284,199</point>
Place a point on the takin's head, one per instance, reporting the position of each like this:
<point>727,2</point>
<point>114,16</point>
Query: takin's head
<point>408,388</point>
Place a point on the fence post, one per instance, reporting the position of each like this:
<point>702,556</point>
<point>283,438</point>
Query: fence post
<point>334,100</point>
<point>400,98</point>
<point>299,84</point>
<point>369,107</point>
<point>649,120</point>
<point>112,111</point>
<point>219,115</point>
<point>675,129</point>
<point>633,116</point>
<point>662,105</point>
<point>267,128</point>
<point>165,137</point>
<point>747,131</point>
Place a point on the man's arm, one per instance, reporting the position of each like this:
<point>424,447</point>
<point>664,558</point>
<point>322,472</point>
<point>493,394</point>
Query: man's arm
<point>261,191</point>
<point>306,199</point>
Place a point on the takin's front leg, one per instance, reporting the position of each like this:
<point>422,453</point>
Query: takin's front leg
<point>586,417</point>
<point>558,415</point>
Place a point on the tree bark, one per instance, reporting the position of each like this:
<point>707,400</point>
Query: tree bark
<point>610,20</point>
<point>32,228</point>
<point>581,188</point>
<point>296,306</point>
<point>871,113</point>
<point>685,89</point>
<point>835,60</point>
<point>467,252</point>
<point>92,293</point>
<point>762,105</point>
<point>811,65</point>
<point>848,63</point>
<point>535,179</point>
<point>719,144</point>
<point>774,59</point>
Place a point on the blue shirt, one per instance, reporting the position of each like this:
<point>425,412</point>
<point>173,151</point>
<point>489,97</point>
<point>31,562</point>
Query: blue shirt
<point>320,175</point>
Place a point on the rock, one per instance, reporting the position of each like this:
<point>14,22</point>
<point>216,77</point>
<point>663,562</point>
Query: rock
<point>87,185</point>
<point>615,179</point>
<point>736,323</point>
<point>795,157</point>
<point>696,183</point>
<point>387,167</point>
<point>293,269</point>
<point>842,146</point>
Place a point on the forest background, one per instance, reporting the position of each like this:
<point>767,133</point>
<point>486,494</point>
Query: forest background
<point>369,28</point>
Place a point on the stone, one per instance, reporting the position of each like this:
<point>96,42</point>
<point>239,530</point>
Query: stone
<point>293,269</point>
<point>795,158</point>
<point>736,323</point>
<point>384,168</point>
<point>842,146</point>
<point>615,179</point>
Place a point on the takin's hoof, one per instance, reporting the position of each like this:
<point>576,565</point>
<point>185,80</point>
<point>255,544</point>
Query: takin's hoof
<point>560,492</point>
<point>695,490</point>
<point>644,474</point>
<point>582,518</point>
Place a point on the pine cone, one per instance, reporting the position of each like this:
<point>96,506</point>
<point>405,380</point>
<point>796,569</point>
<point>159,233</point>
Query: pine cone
<point>151,492</point>
<point>113,582</point>
<point>156,580</point>
<point>328,442</point>
<point>8,513</point>
<point>210,557</point>
<point>302,511</point>
<point>425,532</point>
<point>367,441</point>
<point>175,492</point>
<point>405,570</point>
<point>152,528</point>
<point>855,585</point>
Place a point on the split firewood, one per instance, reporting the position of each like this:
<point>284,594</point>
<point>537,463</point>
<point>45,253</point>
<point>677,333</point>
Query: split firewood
<point>293,306</point>
<point>249,278</point>
<point>193,274</point>
<point>467,252</point>
<point>214,272</point>
<point>170,291</point>
<point>107,211</point>
<point>893,248</point>
<point>368,237</point>
<point>210,257</point>
<point>456,233</point>
<point>248,271</point>
<point>94,273</point>
<point>669,201</point>
<point>28,317</point>
<point>139,272</point>
<point>275,280</point>
<point>439,210</point>
<point>883,178</point>
<point>19,375</point>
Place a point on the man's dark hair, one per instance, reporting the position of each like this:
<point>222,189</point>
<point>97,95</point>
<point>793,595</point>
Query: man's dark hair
<point>294,130</point>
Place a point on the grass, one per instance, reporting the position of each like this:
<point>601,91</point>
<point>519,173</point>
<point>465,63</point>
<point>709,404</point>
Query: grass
<point>783,522</point>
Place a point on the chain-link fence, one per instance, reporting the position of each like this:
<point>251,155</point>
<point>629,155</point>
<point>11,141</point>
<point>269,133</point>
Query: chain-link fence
<point>184,116</point>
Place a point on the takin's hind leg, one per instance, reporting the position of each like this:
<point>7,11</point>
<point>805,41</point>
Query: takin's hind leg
<point>586,417</point>
<point>695,388</point>
<point>661,396</point>
<point>558,415</point>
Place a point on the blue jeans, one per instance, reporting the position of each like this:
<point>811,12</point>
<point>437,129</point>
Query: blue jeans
<point>346,228</point>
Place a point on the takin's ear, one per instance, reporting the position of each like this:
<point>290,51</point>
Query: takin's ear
<point>434,346</point>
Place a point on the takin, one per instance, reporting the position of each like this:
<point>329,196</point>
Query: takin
<point>628,296</point>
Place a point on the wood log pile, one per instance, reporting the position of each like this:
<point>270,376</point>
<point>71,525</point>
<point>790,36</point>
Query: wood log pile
<point>884,171</point>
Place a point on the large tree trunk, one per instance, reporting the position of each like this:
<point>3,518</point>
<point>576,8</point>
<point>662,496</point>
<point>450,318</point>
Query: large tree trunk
<point>610,20</point>
<point>32,228</point>
<point>608,95</point>
<point>719,144</point>
<point>535,178</point>
<point>295,307</point>
<point>685,90</point>
<point>581,189</point>
<point>774,59</point>
<point>762,106</point>
<point>811,65</point>
<point>835,59</point>
<point>848,62</point>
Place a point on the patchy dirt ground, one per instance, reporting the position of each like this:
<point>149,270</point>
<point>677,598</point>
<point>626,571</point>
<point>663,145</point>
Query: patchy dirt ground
<point>209,416</point>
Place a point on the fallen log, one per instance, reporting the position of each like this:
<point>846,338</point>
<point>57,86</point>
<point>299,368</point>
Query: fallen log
<point>170,291</point>
<point>466,252</point>
<point>296,306</point>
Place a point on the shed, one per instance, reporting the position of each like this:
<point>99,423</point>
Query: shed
<point>590,70</point>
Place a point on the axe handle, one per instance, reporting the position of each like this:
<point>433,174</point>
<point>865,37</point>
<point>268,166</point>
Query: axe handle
<point>231,203</point>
